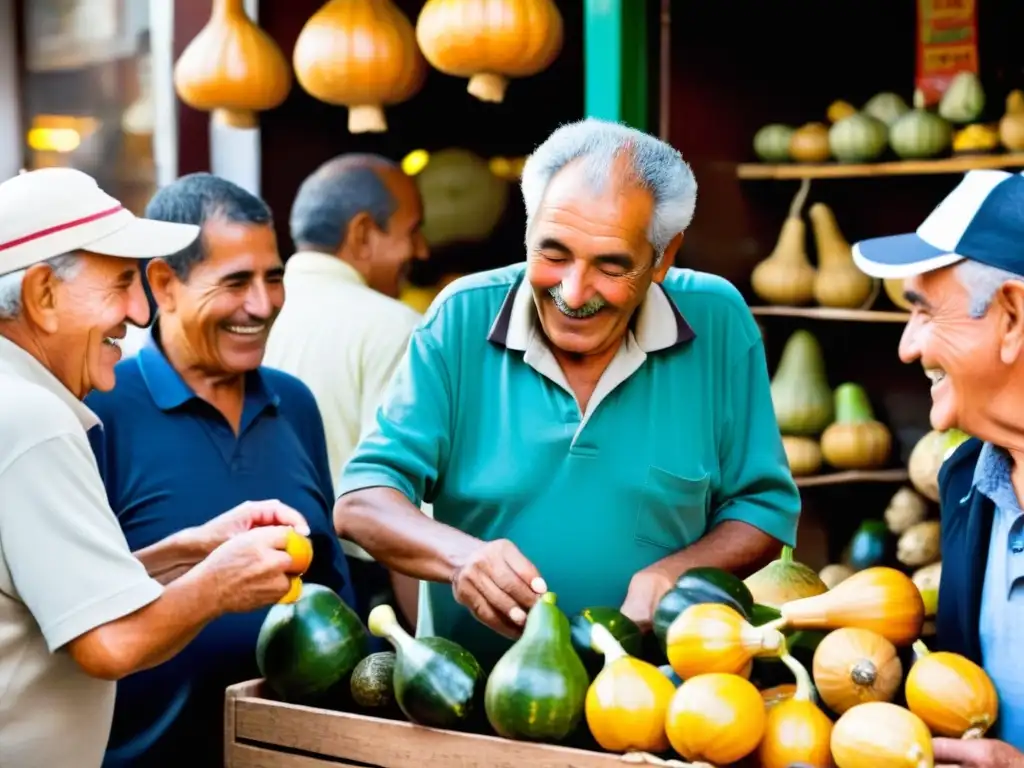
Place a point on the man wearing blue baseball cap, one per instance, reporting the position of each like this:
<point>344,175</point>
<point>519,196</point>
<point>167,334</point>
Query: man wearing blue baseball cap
<point>963,272</point>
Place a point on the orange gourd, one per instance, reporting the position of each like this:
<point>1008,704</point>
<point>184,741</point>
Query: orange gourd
<point>711,637</point>
<point>881,599</point>
<point>301,550</point>
<point>777,694</point>
<point>852,666</point>
<point>951,694</point>
<point>361,54</point>
<point>626,704</point>
<point>490,41</point>
<point>232,68</point>
<point>716,718</point>
<point>795,730</point>
<point>880,734</point>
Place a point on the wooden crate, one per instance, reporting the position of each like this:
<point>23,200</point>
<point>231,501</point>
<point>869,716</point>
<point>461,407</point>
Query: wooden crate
<point>262,733</point>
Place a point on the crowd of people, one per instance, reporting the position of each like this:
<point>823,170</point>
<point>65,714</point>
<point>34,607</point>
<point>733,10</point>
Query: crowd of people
<point>175,397</point>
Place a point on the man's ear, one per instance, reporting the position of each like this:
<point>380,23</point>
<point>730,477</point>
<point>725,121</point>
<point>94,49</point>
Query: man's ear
<point>1010,300</point>
<point>357,236</point>
<point>40,297</point>
<point>668,259</point>
<point>161,277</point>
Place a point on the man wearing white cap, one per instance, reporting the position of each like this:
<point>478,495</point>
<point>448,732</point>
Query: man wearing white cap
<point>77,609</point>
<point>963,272</point>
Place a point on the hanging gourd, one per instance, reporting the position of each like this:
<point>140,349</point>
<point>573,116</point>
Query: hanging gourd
<point>360,54</point>
<point>951,694</point>
<point>463,201</point>
<point>232,68</point>
<point>490,41</point>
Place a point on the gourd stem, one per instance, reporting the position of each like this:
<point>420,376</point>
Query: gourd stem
<point>382,622</point>
<point>799,198</point>
<point>549,597</point>
<point>864,672</point>
<point>787,555</point>
<point>602,641</point>
<point>778,624</point>
<point>975,732</point>
<point>229,8</point>
<point>366,118</point>
<point>761,640</point>
<point>920,648</point>
<point>804,686</point>
<point>488,86</point>
<point>917,756</point>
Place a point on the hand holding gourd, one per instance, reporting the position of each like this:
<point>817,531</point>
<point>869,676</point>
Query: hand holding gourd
<point>975,753</point>
<point>499,585</point>
<point>646,589</point>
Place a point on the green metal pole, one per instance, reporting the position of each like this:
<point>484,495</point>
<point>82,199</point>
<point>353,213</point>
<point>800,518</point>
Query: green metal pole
<point>615,61</point>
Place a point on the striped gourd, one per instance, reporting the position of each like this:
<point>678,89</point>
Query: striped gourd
<point>859,138</point>
<point>919,133</point>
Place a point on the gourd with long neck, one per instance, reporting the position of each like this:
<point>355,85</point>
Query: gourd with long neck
<point>838,282</point>
<point>801,396</point>
<point>786,276</point>
<point>536,691</point>
<point>796,731</point>
<point>856,439</point>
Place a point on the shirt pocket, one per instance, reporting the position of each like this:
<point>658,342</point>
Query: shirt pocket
<point>673,511</point>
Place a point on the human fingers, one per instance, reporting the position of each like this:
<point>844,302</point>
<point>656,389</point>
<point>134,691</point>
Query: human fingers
<point>274,512</point>
<point>519,598</point>
<point>955,751</point>
<point>523,568</point>
<point>491,587</point>
<point>468,595</point>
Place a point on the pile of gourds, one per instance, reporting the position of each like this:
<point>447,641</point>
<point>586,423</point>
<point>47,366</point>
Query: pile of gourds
<point>821,425</point>
<point>778,667</point>
<point>365,54</point>
<point>864,135</point>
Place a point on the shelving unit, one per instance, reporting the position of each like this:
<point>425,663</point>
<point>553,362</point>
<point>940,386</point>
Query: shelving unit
<point>853,476</point>
<point>957,164</point>
<point>828,313</point>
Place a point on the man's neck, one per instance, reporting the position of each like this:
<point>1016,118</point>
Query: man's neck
<point>225,392</point>
<point>22,336</point>
<point>583,372</point>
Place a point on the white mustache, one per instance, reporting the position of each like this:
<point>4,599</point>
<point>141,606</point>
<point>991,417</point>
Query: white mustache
<point>592,306</point>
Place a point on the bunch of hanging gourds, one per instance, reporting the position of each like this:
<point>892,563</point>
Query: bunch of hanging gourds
<point>364,55</point>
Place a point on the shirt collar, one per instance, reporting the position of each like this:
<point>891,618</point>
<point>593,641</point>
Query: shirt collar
<point>992,476</point>
<point>322,265</point>
<point>169,390</point>
<point>659,323</point>
<point>18,362</point>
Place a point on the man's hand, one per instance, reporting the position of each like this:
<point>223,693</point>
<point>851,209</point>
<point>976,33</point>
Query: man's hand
<point>246,517</point>
<point>250,570</point>
<point>499,585</point>
<point>646,589</point>
<point>975,753</point>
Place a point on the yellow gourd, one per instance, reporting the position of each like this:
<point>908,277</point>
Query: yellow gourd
<point>894,290</point>
<point>838,283</point>
<point>232,68</point>
<point>880,734</point>
<point>490,41</point>
<point>809,144</point>
<point>796,731</point>
<point>1011,126</point>
<point>880,598</point>
<point>361,55</point>
<point>627,703</point>
<point>855,440</point>
<point>711,637</point>
<point>716,718</point>
<point>852,666</point>
<point>786,275</point>
<point>951,694</point>
<point>803,455</point>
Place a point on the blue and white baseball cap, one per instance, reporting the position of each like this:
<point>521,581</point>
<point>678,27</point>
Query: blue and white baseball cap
<point>982,219</point>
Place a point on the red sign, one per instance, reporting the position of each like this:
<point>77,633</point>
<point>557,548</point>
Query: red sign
<point>947,43</point>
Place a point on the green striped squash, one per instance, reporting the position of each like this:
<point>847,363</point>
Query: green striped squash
<point>859,138</point>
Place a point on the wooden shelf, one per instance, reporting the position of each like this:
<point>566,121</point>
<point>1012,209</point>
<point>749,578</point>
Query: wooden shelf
<point>831,313</point>
<point>960,164</point>
<point>854,476</point>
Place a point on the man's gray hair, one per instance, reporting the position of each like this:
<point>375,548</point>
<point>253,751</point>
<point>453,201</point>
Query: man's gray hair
<point>981,283</point>
<point>335,193</point>
<point>656,167</point>
<point>64,267</point>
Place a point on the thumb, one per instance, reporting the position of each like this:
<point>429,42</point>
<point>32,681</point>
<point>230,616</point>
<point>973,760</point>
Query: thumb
<point>953,751</point>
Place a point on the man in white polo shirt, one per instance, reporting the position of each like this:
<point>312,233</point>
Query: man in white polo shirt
<point>78,610</point>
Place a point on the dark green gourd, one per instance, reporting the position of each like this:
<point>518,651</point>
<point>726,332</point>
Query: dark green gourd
<point>701,585</point>
<point>437,683</point>
<point>372,681</point>
<point>306,648</point>
<point>622,628</point>
<point>536,691</point>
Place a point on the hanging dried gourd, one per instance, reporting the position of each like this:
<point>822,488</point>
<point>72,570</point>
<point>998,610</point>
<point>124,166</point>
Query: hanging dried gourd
<point>232,68</point>
<point>360,54</point>
<point>490,41</point>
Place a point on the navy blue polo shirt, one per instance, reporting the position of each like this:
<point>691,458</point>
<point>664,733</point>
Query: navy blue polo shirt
<point>169,461</point>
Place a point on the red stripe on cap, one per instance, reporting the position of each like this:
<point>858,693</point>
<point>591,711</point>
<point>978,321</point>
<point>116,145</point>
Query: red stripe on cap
<point>60,228</point>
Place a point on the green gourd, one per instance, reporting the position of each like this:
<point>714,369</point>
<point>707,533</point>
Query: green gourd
<point>859,138</point>
<point>771,143</point>
<point>437,682</point>
<point>800,393</point>
<point>536,691</point>
<point>373,681</point>
<point>622,628</point>
<point>306,648</point>
<point>887,107</point>
<point>920,134</point>
<point>964,99</point>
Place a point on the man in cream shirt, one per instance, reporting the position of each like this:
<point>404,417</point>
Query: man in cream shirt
<point>356,224</point>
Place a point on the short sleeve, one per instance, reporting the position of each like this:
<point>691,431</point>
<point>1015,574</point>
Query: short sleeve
<point>756,487</point>
<point>68,559</point>
<point>408,447</point>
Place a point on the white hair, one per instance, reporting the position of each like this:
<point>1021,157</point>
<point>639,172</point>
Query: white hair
<point>64,267</point>
<point>981,282</point>
<point>655,166</point>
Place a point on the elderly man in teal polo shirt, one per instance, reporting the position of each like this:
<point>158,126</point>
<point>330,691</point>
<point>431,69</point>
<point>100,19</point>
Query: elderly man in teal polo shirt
<point>592,421</point>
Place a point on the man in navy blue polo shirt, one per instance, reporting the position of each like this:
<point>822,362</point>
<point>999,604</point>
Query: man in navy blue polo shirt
<point>196,425</point>
<point>963,272</point>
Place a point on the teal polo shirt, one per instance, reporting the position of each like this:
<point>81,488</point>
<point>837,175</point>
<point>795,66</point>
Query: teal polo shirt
<point>679,435</point>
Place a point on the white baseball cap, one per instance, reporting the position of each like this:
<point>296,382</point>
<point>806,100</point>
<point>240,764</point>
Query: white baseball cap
<point>52,211</point>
